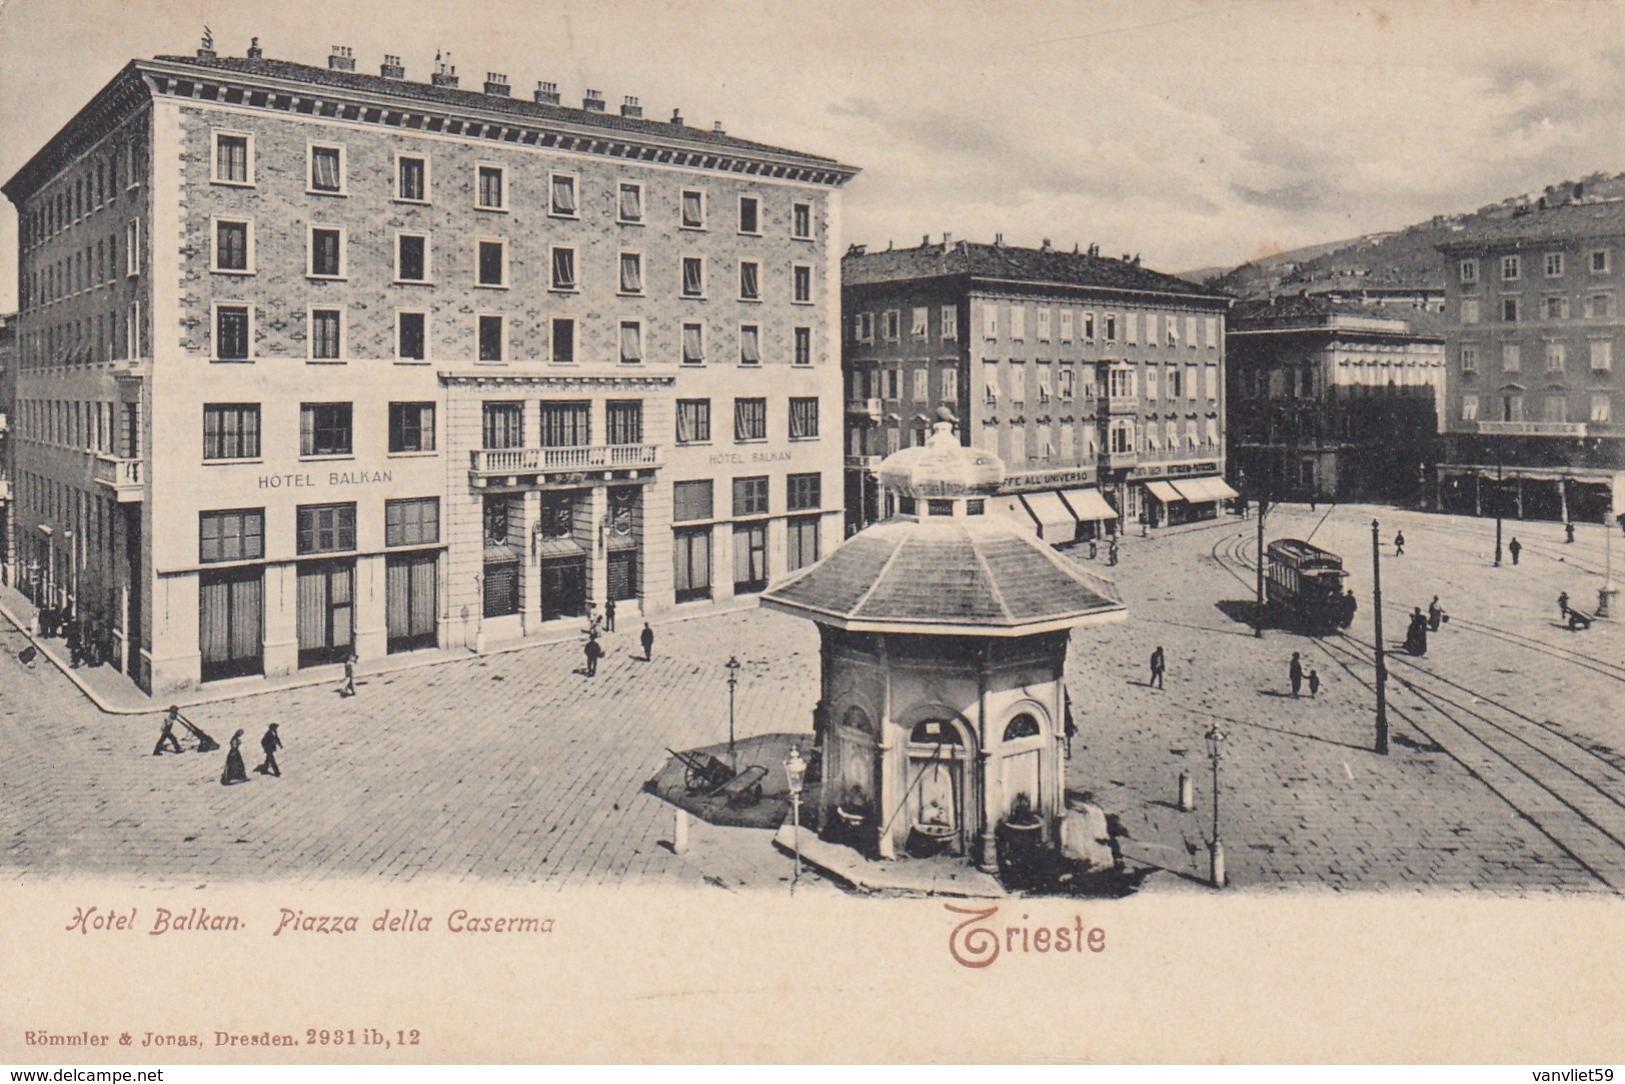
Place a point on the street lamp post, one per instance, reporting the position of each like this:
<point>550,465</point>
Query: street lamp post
<point>1376,619</point>
<point>1215,746</point>
<point>732,666</point>
<point>1258,572</point>
<point>1499,477</point>
<point>795,773</point>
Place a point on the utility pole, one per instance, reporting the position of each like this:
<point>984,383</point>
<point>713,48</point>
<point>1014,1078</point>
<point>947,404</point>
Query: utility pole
<point>1499,478</point>
<point>1258,571</point>
<point>1376,617</point>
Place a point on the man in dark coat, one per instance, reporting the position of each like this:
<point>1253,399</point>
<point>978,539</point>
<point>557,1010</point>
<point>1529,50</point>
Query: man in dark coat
<point>1416,638</point>
<point>648,640</point>
<point>270,743</point>
<point>1158,666</point>
<point>168,735</point>
<point>1399,544</point>
<point>1563,605</point>
<point>1568,532</point>
<point>1295,673</point>
<point>609,616</point>
<point>592,651</point>
<point>1515,547</point>
<point>1350,607</point>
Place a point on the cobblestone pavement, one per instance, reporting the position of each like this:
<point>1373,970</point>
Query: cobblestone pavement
<point>518,767</point>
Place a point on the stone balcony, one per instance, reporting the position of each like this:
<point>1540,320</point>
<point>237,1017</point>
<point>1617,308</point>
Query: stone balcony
<point>1120,460</point>
<point>1533,429</point>
<point>863,462</point>
<point>522,466</point>
<point>122,476</point>
<point>873,409</point>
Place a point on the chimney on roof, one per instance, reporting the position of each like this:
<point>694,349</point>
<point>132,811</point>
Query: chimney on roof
<point>888,244</point>
<point>342,59</point>
<point>925,242</point>
<point>998,240</point>
<point>1046,246</point>
<point>630,107</point>
<point>856,249</point>
<point>205,49</point>
<point>593,102</point>
<point>547,93</point>
<point>497,83</point>
<point>1074,248</point>
<point>947,241</point>
<point>676,118</point>
<point>391,68</point>
<point>1579,191</point>
<point>716,126</point>
<point>254,50</point>
<point>445,72</point>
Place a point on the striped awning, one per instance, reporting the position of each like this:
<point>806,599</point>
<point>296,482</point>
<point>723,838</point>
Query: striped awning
<point>1088,505</point>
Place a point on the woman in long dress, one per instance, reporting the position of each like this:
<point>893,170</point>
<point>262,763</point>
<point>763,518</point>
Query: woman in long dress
<point>235,772</point>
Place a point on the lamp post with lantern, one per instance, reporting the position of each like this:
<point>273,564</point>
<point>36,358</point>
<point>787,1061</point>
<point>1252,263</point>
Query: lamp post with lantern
<point>1215,749</point>
<point>795,774</point>
<point>733,667</point>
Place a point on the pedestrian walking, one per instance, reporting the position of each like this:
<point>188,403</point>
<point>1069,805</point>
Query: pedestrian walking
<point>1314,684</point>
<point>1435,615</point>
<point>609,616</point>
<point>595,624</point>
<point>1514,548</point>
<point>1295,673</point>
<point>168,735</point>
<point>1111,552</point>
<point>1158,666</point>
<point>1399,543</point>
<point>593,652</point>
<point>1350,607</point>
<point>1311,504</point>
<point>1070,727</point>
<point>349,675</point>
<point>1563,605</point>
<point>1416,637</point>
<point>75,643</point>
<point>234,772</point>
<point>1568,532</point>
<point>647,637</point>
<point>270,744</point>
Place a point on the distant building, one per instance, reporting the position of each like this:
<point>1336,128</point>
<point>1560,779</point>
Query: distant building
<point>8,398</point>
<point>1534,310</point>
<point>1334,400</point>
<point>318,361</point>
<point>1096,381</point>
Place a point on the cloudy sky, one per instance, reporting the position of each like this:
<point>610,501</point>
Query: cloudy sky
<point>1194,133</point>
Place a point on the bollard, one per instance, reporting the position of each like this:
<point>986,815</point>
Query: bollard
<point>1187,793</point>
<point>679,833</point>
<point>1216,864</point>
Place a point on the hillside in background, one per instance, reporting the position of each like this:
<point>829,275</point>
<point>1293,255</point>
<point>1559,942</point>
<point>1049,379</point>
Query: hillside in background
<point>1403,258</point>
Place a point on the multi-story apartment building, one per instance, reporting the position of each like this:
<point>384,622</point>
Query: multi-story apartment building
<point>1097,381</point>
<point>317,361</point>
<point>1334,400</point>
<point>8,395</point>
<point>1533,303</point>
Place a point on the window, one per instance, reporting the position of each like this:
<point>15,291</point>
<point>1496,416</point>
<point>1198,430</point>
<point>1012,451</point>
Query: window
<point>1511,407</point>
<point>1599,262</point>
<point>1557,308</point>
<point>1509,309</point>
<point>1111,328</point>
<point>1018,446</point>
<point>491,333</point>
<point>750,419</point>
<point>801,292</point>
<point>691,572</point>
<point>803,418</point>
<point>1511,268</point>
<point>231,431</point>
<point>1151,372</point>
<point>891,323</point>
<point>1018,381</point>
<point>1469,408</point>
<point>1509,357</point>
<point>922,384</point>
<point>562,195</point>
<point>631,273</point>
<point>750,496</point>
<point>1600,306</point>
<point>801,221</point>
<point>693,209</point>
<point>1602,354</point>
<point>629,208</point>
<point>566,424</point>
<point>1555,408</point>
<point>1469,270</point>
<point>491,193</point>
<point>1602,407</point>
<point>326,252</point>
<point>1555,357</point>
<point>990,381</point>
<point>691,501</point>
<point>1469,310</point>
<point>324,429</point>
<point>326,528</point>
<point>693,276</point>
<point>750,558</point>
<point>1067,378</point>
<point>1554,265</point>
<point>1067,318</point>
<point>990,320</point>
<point>1089,327</point>
<point>231,333</point>
<point>800,542</point>
<point>1121,383</point>
<point>503,425</point>
<point>693,344</point>
<point>624,421</point>
<point>564,340</point>
<point>1043,323</point>
<point>750,347</point>
<point>1131,327</point>
<point>1045,388</point>
<point>749,281</point>
<point>412,179</point>
<point>493,265</point>
<point>231,536</point>
<point>693,421</point>
<point>414,522</point>
<point>232,247</point>
<point>950,385</point>
<point>564,268</point>
<point>1469,358</point>
<point>327,169</point>
<point>411,427</point>
<point>1170,326</point>
<point>1018,321</point>
<point>803,336</point>
<point>749,215</point>
<point>950,323</point>
<point>411,257</point>
<point>631,342</point>
<point>326,335</point>
<point>233,158</point>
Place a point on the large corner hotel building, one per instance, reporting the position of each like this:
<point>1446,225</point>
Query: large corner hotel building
<point>314,360</point>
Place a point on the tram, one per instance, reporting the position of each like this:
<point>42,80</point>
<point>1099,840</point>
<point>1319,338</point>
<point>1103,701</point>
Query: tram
<point>1303,586</point>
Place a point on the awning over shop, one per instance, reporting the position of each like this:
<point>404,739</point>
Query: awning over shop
<point>1163,492</point>
<point>1088,504</point>
<point>1203,490</point>
<point>1056,523</point>
<point>554,548</point>
<point>1012,507</point>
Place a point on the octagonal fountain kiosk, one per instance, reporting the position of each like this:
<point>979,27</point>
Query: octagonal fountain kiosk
<point>943,641</point>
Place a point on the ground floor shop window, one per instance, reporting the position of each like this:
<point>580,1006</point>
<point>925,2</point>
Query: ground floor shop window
<point>801,543</point>
<point>750,558</point>
<point>692,564</point>
<point>501,587</point>
<point>326,611</point>
<point>412,600</point>
<point>231,622</point>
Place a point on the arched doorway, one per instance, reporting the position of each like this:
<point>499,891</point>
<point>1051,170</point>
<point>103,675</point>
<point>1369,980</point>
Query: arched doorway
<point>1022,757</point>
<point>937,802</point>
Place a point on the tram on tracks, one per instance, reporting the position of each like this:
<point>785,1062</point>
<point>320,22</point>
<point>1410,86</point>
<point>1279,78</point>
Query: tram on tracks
<point>1303,586</point>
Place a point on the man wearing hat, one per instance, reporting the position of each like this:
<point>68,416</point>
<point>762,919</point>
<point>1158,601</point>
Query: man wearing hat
<point>270,743</point>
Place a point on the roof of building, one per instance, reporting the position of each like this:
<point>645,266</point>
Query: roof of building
<point>1573,221</point>
<point>1317,312</point>
<point>454,98</point>
<point>1009,263</point>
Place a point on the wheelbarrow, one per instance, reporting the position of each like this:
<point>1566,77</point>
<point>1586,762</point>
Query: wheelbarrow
<point>744,789</point>
<point>702,771</point>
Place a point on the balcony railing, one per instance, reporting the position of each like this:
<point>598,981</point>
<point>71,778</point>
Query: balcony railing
<point>1123,404</point>
<point>863,462</point>
<point>1116,460</point>
<point>123,476</point>
<point>583,457</point>
<point>1533,429</point>
<point>870,408</point>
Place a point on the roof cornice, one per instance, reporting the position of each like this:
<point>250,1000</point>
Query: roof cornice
<point>123,95</point>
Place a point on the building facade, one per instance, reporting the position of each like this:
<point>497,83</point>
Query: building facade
<point>1334,400</point>
<point>8,397</point>
<point>318,362</point>
<point>1533,303</point>
<point>1098,382</point>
